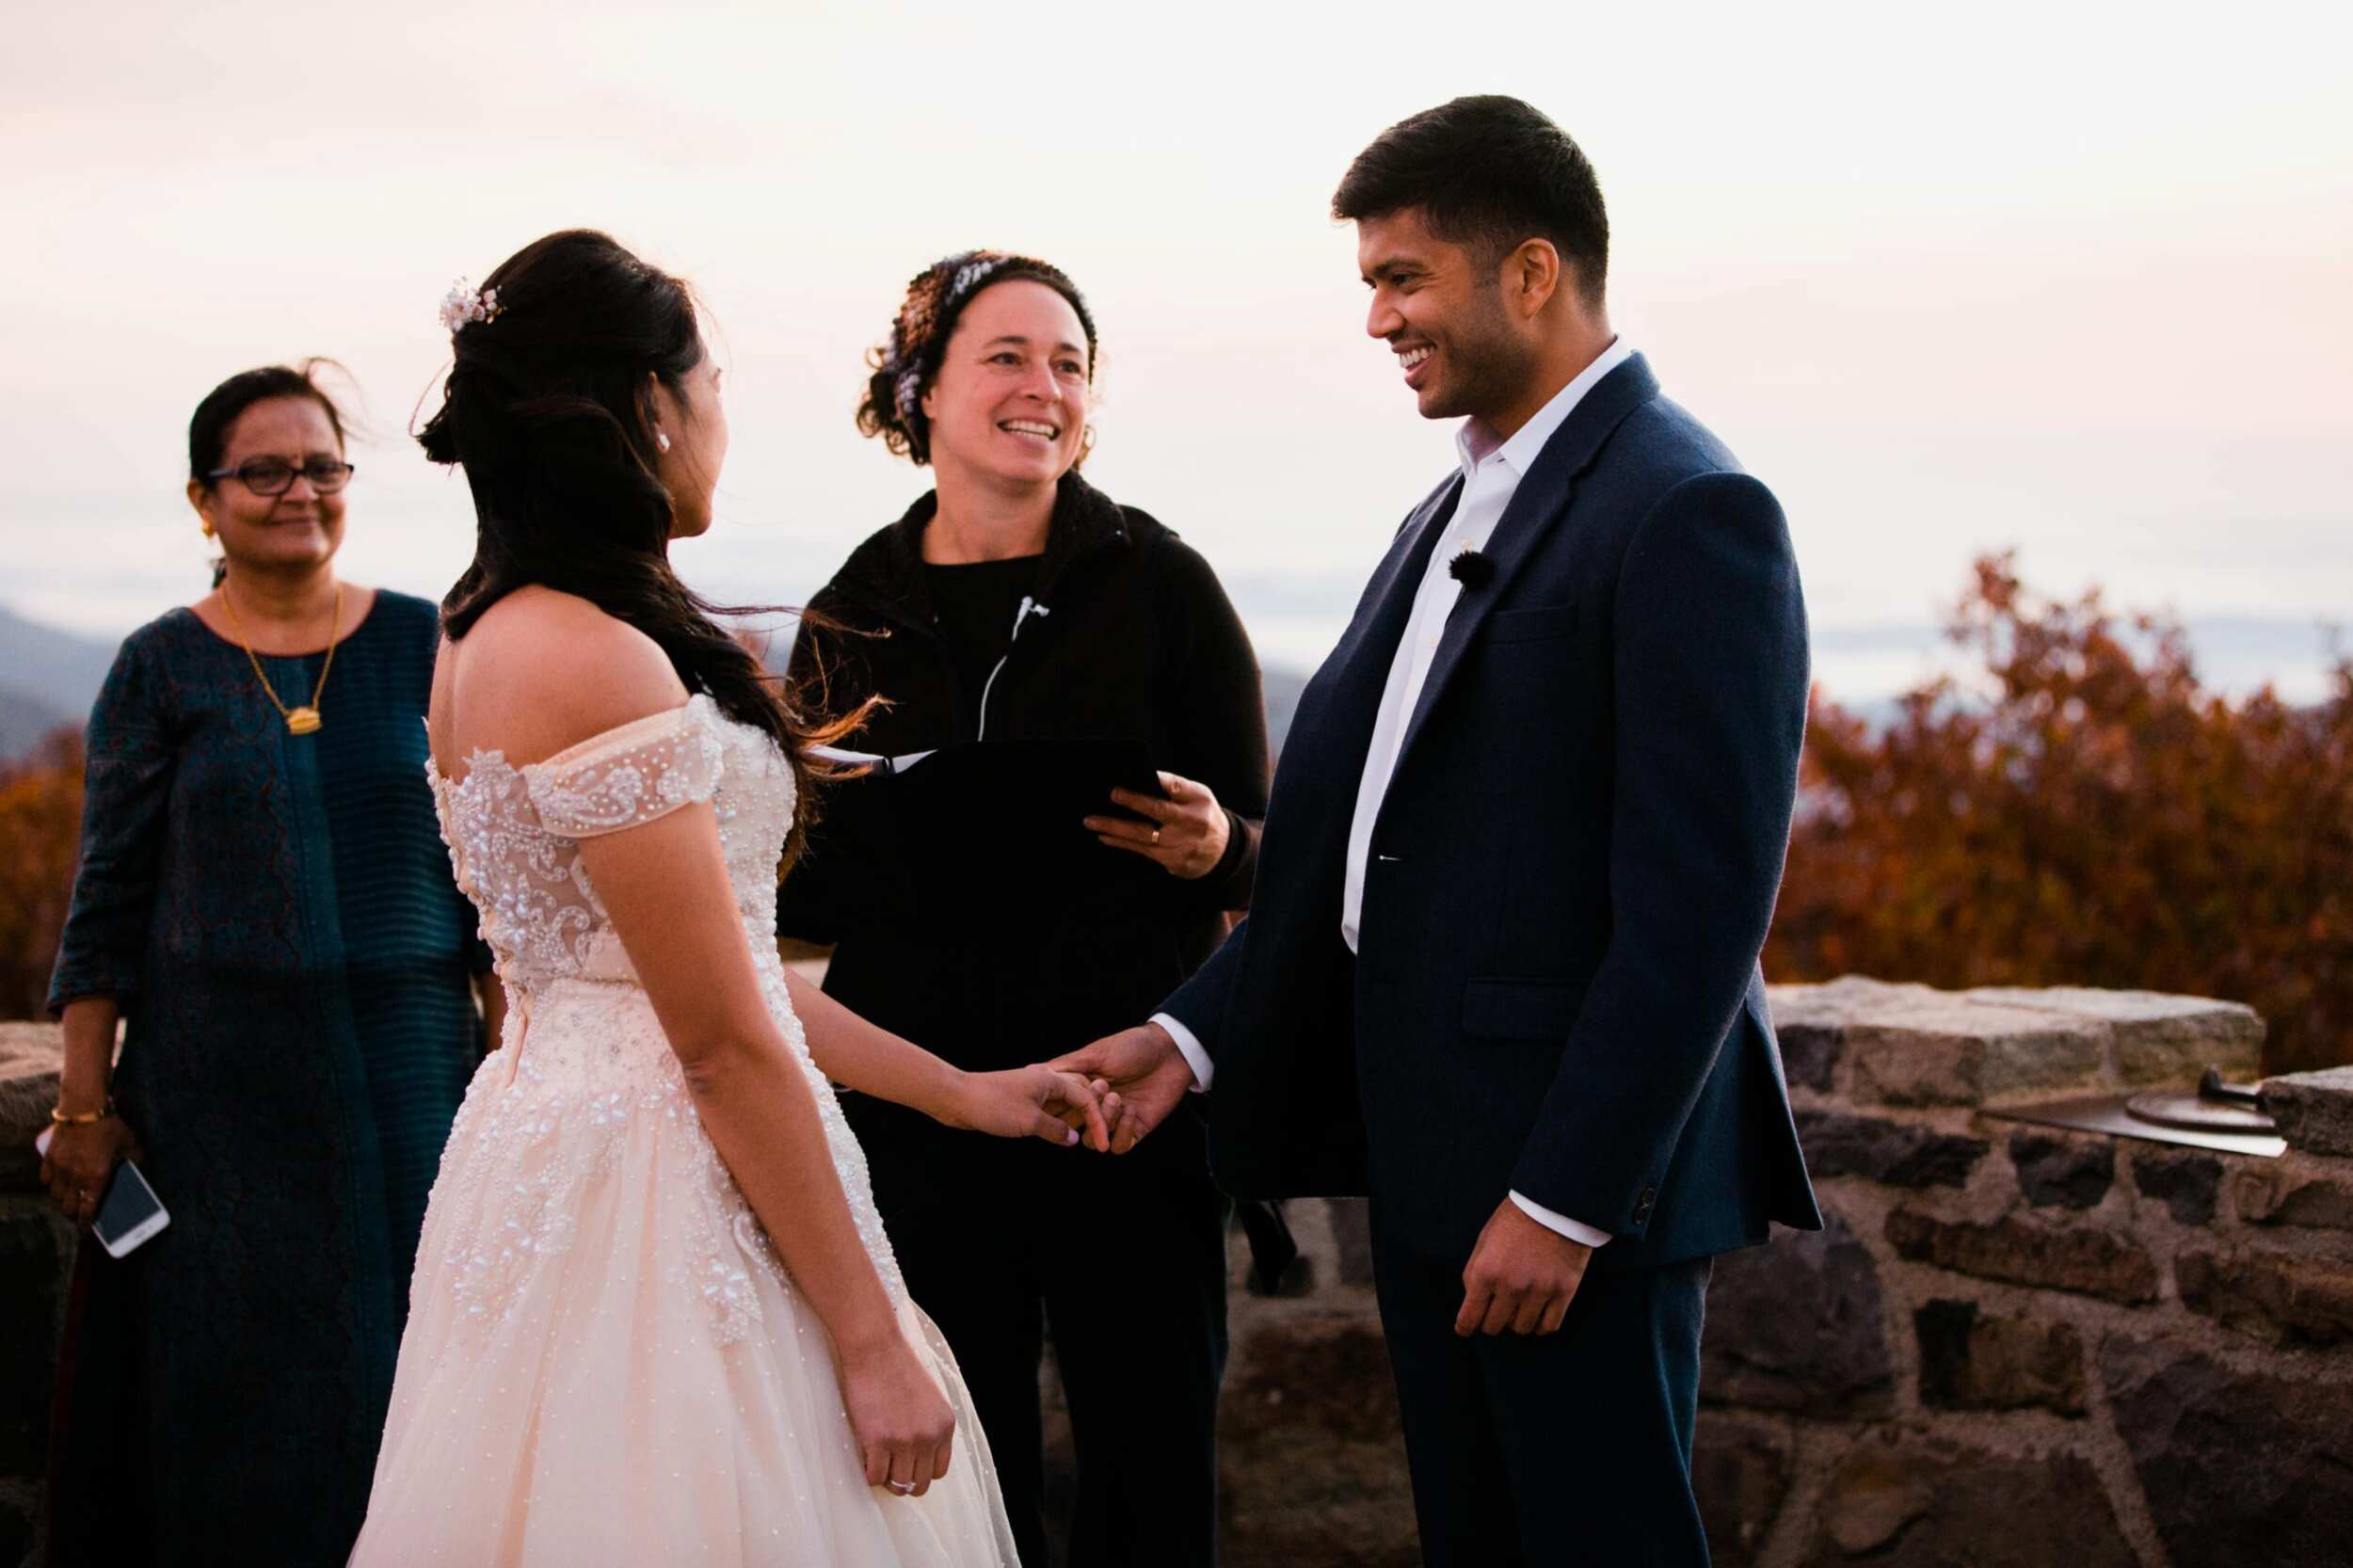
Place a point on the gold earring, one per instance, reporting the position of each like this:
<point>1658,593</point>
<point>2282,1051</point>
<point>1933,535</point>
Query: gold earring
<point>206,524</point>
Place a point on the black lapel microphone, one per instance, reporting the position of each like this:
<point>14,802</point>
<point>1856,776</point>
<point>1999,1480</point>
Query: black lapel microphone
<point>1472,568</point>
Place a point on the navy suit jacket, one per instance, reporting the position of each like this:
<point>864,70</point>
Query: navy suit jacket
<point>1556,988</point>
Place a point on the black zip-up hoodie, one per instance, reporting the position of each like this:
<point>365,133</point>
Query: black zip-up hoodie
<point>1140,643</point>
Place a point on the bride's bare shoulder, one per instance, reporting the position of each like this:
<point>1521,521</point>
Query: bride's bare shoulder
<point>541,671</point>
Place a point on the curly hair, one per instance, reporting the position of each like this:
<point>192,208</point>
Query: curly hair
<point>903,367</point>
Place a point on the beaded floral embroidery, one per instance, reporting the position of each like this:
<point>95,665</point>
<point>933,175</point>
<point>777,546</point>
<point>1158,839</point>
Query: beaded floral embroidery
<point>587,1091</point>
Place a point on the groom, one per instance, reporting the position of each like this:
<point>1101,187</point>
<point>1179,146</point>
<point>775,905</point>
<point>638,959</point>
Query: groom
<point>1502,969</point>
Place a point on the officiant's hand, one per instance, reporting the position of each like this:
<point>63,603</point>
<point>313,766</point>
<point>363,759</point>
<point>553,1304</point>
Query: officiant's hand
<point>1521,1276</point>
<point>1145,1074</point>
<point>1059,1107</point>
<point>1185,833</point>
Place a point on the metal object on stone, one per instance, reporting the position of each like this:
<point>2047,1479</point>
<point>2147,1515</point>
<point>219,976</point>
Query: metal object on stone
<point>2223,1116</point>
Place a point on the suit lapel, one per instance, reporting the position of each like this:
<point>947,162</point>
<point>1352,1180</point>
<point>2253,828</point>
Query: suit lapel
<point>1543,498</point>
<point>1359,664</point>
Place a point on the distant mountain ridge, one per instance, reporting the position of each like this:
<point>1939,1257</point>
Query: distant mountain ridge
<point>48,680</point>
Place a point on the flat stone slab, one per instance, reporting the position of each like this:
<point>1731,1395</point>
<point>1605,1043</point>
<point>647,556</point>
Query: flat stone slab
<point>1916,1046</point>
<point>1928,1502</point>
<point>2160,1040</point>
<point>1892,1153</point>
<point>30,1055</point>
<point>2274,1295</point>
<point>2240,1466</point>
<point>1972,1360</point>
<point>2292,1196</point>
<point>2314,1110</point>
<point>1799,1325</point>
<point>1910,1044</point>
<point>1740,1473</point>
<point>2066,1256</point>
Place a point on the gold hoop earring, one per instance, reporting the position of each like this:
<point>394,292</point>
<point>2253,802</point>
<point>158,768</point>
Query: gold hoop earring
<point>1086,440</point>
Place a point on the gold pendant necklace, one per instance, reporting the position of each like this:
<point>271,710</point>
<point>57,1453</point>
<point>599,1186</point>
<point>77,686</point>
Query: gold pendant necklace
<point>305,719</point>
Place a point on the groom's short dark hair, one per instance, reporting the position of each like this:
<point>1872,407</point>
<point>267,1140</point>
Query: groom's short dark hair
<point>1488,172</point>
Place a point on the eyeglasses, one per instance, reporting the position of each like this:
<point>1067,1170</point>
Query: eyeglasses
<point>275,475</point>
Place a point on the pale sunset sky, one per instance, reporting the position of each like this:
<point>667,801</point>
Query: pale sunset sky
<point>2073,279</point>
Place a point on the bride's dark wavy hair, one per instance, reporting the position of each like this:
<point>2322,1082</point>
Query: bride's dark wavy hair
<point>548,409</point>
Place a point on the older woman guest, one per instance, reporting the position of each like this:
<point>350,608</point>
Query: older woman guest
<point>1018,602</point>
<point>264,901</point>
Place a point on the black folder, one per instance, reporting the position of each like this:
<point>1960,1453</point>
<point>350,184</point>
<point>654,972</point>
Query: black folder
<point>1000,823</point>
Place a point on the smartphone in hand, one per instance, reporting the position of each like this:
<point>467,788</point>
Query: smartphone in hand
<point>130,1212</point>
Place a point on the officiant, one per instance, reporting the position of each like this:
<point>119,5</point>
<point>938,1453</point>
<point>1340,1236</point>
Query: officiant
<point>1052,641</point>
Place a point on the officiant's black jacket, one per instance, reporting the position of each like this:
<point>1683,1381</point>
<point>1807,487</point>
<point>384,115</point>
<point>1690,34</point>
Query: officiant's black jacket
<point>1140,646</point>
<point>1557,990</point>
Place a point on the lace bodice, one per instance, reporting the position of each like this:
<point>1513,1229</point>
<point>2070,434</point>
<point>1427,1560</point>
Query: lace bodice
<point>514,833</point>
<point>584,1067</point>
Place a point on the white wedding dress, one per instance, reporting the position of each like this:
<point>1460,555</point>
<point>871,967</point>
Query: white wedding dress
<point>606,1361</point>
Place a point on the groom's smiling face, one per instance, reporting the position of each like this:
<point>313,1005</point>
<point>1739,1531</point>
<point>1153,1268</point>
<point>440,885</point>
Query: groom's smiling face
<point>1439,307</point>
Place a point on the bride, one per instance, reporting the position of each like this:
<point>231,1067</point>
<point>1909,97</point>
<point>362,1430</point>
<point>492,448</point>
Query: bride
<point>655,1317</point>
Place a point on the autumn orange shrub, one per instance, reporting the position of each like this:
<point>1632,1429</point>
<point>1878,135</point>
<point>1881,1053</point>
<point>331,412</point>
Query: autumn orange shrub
<point>2093,818</point>
<point>41,822</point>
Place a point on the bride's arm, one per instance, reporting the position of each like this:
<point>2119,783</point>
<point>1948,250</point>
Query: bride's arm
<point>663,883</point>
<point>871,1059</point>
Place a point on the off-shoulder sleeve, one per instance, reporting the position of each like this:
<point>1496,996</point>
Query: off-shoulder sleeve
<point>624,777</point>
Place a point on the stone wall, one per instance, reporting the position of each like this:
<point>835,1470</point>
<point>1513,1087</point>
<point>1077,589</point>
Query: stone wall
<point>2012,1346</point>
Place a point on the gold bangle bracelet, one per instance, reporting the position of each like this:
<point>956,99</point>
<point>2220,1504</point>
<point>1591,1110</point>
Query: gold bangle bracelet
<point>57,1115</point>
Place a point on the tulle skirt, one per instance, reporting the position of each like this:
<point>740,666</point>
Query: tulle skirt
<point>605,1362</point>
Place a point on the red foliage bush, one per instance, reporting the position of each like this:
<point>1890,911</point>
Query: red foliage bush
<point>41,824</point>
<point>2096,818</point>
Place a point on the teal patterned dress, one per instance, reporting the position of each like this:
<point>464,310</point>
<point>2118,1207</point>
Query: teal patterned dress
<point>275,915</point>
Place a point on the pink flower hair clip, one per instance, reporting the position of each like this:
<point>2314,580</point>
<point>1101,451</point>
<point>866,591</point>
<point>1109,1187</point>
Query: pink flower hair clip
<point>465,304</point>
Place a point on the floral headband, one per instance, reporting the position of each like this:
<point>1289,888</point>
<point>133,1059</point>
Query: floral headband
<point>935,296</point>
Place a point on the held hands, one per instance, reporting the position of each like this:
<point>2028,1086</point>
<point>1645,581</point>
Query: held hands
<point>898,1417</point>
<point>1145,1074</point>
<point>1185,833</point>
<point>81,1161</point>
<point>1026,1102</point>
<point>1521,1276</point>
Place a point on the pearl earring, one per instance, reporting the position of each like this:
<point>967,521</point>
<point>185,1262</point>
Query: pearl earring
<point>662,441</point>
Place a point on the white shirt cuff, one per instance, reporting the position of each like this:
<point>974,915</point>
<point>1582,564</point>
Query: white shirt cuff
<point>1190,1048</point>
<point>1576,1230</point>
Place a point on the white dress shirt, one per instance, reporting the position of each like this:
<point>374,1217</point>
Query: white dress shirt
<point>1492,471</point>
